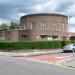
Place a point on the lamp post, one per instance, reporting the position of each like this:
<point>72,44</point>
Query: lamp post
<point>69,25</point>
<point>69,19</point>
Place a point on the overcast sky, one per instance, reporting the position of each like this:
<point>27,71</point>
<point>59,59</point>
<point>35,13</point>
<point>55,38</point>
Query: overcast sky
<point>12,10</point>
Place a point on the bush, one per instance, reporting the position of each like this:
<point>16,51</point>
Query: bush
<point>33,45</point>
<point>30,45</point>
<point>63,43</point>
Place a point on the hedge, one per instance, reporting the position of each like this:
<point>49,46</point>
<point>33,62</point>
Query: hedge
<point>33,45</point>
<point>46,44</point>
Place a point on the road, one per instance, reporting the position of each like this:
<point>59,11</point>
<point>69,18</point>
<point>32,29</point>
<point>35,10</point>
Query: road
<point>14,66</point>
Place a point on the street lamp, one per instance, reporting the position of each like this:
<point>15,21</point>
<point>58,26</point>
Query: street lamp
<point>69,25</point>
<point>69,19</point>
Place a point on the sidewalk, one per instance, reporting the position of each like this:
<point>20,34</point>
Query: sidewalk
<point>34,52</point>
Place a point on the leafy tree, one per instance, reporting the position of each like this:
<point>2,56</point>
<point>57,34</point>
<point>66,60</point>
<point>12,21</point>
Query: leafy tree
<point>13,25</point>
<point>4,26</point>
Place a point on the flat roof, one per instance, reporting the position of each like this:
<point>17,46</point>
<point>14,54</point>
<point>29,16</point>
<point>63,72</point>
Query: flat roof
<point>41,14</point>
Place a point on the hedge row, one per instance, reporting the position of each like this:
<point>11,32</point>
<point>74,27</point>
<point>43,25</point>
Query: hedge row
<point>33,45</point>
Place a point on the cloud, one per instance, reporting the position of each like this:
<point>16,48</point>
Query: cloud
<point>12,7</point>
<point>4,1</point>
<point>72,20</point>
<point>4,21</point>
<point>71,28</point>
<point>12,10</point>
<point>49,6</point>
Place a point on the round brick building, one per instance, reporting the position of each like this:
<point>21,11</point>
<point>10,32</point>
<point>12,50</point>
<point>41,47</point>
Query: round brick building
<point>44,26</point>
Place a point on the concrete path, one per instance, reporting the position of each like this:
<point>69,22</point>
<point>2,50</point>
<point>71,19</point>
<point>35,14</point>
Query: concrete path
<point>35,52</point>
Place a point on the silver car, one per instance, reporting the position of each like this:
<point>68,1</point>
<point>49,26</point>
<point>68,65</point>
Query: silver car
<point>69,47</point>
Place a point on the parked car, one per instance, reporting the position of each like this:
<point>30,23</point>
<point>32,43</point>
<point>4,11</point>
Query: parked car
<point>69,47</point>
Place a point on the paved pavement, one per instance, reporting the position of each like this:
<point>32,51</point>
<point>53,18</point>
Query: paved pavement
<point>34,52</point>
<point>53,57</point>
<point>57,58</point>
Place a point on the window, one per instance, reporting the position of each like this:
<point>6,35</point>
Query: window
<point>43,23</point>
<point>73,44</point>
<point>24,26</point>
<point>43,36</point>
<point>53,28</point>
<point>32,22</point>
<point>55,37</point>
<point>43,26</point>
<point>24,36</point>
<point>2,35</point>
<point>2,38</point>
<point>32,25</point>
<point>54,22</point>
<point>64,38</point>
<point>62,27</point>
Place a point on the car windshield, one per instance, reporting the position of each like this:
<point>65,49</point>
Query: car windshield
<point>73,44</point>
<point>69,45</point>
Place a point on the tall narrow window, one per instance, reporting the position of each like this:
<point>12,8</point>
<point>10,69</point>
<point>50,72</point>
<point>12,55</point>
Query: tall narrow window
<point>24,26</point>
<point>43,26</point>
<point>32,22</point>
<point>43,23</point>
<point>53,28</point>
<point>62,27</point>
<point>32,25</point>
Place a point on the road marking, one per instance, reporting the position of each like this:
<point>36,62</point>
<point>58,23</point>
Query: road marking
<point>61,63</point>
<point>48,59</point>
<point>46,62</point>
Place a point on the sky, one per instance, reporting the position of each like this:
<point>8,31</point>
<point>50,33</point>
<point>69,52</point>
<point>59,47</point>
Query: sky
<point>12,10</point>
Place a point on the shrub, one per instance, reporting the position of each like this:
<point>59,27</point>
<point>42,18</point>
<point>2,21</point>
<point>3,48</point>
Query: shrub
<point>63,43</point>
<point>8,46</point>
<point>30,45</point>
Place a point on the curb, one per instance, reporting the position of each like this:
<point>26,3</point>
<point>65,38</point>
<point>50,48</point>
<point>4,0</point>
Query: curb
<point>27,54</point>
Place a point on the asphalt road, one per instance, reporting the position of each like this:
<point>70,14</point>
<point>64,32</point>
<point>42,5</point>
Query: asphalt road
<point>13,66</point>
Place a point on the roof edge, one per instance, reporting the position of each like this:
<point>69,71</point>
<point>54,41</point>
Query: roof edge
<point>36,14</point>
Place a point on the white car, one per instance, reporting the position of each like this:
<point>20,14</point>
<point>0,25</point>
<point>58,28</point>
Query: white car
<point>69,47</point>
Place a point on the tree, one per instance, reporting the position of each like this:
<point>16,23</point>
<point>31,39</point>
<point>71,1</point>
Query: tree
<point>4,26</point>
<point>13,25</point>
